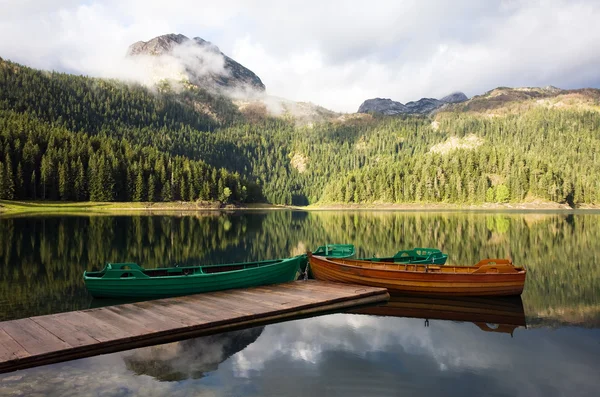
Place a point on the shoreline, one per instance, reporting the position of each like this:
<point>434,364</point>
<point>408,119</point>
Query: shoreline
<point>528,206</point>
<point>15,207</point>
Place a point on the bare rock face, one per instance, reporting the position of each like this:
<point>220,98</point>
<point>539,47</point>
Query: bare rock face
<point>455,97</point>
<point>176,57</point>
<point>383,106</point>
<point>422,106</point>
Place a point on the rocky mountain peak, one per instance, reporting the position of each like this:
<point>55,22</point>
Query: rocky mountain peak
<point>201,63</point>
<point>383,106</point>
<point>422,106</point>
<point>455,97</point>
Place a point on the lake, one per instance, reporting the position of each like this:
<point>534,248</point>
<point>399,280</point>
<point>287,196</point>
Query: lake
<point>405,348</point>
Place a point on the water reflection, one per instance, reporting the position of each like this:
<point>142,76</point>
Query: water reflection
<point>346,355</point>
<point>501,315</point>
<point>189,359</point>
<point>42,258</point>
<point>391,353</point>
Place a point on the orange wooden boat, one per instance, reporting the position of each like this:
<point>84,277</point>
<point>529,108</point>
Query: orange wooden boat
<point>501,315</point>
<point>489,277</point>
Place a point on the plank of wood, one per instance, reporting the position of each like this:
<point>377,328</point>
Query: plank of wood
<point>34,338</point>
<point>300,295</point>
<point>235,307</point>
<point>204,309</point>
<point>9,348</point>
<point>319,290</point>
<point>171,313</point>
<point>64,330</point>
<point>143,317</point>
<point>194,309</point>
<point>340,288</point>
<point>94,327</point>
<point>275,301</point>
<point>120,322</point>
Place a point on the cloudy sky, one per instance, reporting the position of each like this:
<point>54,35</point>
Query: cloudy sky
<point>333,53</point>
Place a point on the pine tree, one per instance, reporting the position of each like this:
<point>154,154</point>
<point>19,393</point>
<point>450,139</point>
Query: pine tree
<point>2,183</point>
<point>63,182</point>
<point>79,183</point>
<point>33,185</point>
<point>151,188</point>
<point>502,194</point>
<point>166,191</point>
<point>139,193</point>
<point>19,183</point>
<point>9,184</point>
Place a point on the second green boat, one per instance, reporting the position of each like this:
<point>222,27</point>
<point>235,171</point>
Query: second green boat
<point>416,256</point>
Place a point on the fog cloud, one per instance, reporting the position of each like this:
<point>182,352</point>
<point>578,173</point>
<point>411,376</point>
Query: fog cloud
<point>335,53</point>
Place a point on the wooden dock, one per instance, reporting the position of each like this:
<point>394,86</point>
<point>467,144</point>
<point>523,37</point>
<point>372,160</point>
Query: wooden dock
<point>42,340</point>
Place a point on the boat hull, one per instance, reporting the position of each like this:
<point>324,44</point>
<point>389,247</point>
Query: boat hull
<point>157,287</point>
<point>502,315</point>
<point>421,282</point>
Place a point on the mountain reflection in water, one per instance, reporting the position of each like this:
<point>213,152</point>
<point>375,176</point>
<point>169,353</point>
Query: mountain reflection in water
<point>337,355</point>
<point>191,358</point>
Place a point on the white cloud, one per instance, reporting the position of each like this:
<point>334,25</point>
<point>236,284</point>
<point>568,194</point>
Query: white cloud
<point>334,53</point>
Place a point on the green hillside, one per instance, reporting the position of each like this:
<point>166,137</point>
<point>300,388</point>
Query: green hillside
<point>78,138</point>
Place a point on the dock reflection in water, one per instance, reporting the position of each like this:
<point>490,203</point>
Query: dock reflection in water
<point>189,359</point>
<point>502,315</point>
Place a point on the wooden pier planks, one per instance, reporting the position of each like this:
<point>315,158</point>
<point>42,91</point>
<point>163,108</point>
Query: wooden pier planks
<point>41,340</point>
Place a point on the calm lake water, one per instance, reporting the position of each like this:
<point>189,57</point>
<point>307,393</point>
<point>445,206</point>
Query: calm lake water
<point>391,350</point>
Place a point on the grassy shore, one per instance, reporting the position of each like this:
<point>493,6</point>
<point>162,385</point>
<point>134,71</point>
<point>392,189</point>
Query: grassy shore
<point>14,207</point>
<point>533,206</point>
<point>25,207</point>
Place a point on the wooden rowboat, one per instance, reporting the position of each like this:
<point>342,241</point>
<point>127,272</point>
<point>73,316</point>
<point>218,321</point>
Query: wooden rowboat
<point>502,315</point>
<point>131,281</point>
<point>489,277</point>
<point>416,255</point>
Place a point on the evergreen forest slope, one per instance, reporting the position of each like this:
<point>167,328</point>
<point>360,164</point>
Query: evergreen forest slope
<point>65,137</point>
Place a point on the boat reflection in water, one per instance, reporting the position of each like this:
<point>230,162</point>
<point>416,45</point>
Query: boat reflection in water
<point>191,358</point>
<point>502,315</point>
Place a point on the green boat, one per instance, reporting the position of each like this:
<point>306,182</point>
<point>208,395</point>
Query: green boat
<point>131,281</point>
<point>335,250</point>
<point>415,255</point>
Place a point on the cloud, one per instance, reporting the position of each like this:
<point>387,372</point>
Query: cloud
<point>335,53</point>
<point>339,354</point>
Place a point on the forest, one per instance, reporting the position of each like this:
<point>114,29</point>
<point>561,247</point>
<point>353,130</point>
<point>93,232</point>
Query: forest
<point>75,138</point>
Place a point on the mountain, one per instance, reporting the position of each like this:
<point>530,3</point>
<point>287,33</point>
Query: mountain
<point>422,106</point>
<point>455,97</point>
<point>383,106</point>
<point>197,61</point>
<point>517,100</point>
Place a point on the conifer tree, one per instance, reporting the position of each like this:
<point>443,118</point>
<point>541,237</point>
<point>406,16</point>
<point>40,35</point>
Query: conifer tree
<point>151,188</point>
<point>33,185</point>
<point>9,182</point>
<point>139,193</point>
<point>2,182</point>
